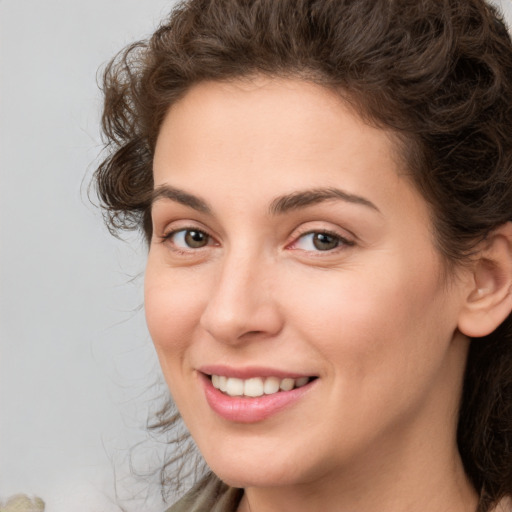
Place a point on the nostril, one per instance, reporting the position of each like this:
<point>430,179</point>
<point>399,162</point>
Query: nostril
<point>252,333</point>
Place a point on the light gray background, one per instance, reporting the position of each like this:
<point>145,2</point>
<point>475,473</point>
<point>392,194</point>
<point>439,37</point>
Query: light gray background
<point>76,364</point>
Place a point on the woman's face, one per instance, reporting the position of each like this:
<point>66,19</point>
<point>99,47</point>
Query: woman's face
<point>290,249</point>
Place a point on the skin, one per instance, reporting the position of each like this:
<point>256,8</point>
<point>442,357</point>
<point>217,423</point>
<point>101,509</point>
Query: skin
<point>374,318</point>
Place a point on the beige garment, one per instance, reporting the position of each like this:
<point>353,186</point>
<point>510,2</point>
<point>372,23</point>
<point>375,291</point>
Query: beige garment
<point>505,505</point>
<point>210,495</point>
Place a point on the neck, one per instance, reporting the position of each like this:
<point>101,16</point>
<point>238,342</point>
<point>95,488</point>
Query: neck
<point>405,486</point>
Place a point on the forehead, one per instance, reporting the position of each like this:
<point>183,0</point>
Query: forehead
<point>267,123</point>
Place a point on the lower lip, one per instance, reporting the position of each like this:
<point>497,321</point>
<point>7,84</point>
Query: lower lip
<point>250,410</point>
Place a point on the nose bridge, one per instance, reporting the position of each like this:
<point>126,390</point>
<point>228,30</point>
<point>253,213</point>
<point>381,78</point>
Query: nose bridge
<point>241,301</point>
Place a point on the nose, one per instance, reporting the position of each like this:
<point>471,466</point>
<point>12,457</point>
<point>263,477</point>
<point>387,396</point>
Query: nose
<point>242,304</point>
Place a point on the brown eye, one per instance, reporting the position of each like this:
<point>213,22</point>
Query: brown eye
<point>189,239</point>
<point>319,241</point>
<point>195,239</point>
<point>324,241</point>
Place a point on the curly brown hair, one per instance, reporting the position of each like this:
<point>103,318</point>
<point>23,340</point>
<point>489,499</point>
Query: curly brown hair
<point>438,73</point>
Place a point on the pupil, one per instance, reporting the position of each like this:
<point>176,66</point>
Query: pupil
<point>195,239</point>
<point>324,242</point>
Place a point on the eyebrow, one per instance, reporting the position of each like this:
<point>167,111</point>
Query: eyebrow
<point>179,196</point>
<point>279,206</point>
<point>305,198</point>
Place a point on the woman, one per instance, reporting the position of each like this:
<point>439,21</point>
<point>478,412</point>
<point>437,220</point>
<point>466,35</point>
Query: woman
<point>326,192</point>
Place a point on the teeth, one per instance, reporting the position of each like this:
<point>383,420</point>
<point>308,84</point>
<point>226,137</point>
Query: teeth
<point>287,384</point>
<point>253,387</point>
<point>271,385</point>
<point>301,382</point>
<point>256,386</point>
<point>235,387</point>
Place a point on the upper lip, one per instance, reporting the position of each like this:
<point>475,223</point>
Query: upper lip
<point>249,372</point>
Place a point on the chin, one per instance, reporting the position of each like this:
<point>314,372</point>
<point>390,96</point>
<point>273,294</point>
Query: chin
<point>259,477</point>
<point>245,471</point>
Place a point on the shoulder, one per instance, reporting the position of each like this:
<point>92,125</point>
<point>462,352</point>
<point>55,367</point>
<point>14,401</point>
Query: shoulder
<point>209,495</point>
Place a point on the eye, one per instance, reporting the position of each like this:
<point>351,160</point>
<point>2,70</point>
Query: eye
<point>320,241</point>
<point>189,238</point>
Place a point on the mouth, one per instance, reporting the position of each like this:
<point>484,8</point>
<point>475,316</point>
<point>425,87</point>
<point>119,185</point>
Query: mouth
<point>251,396</point>
<point>256,386</point>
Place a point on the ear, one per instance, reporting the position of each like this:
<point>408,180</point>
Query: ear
<point>489,300</point>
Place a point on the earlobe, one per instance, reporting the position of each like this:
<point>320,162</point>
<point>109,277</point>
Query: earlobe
<point>489,301</point>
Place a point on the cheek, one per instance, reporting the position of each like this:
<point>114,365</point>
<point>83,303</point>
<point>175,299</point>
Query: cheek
<point>173,306</point>
<point>384,342</point>
<point>366,320</point>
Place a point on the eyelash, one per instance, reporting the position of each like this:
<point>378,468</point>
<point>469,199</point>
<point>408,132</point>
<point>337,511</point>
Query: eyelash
<point>341,242</point>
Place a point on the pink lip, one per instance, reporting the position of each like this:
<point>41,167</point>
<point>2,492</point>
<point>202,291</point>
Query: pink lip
<point>250,372</point>
<point>250,410</point>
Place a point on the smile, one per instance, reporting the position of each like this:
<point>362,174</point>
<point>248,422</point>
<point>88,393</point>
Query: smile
<point>254,398</point>
<point>256,386</point>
